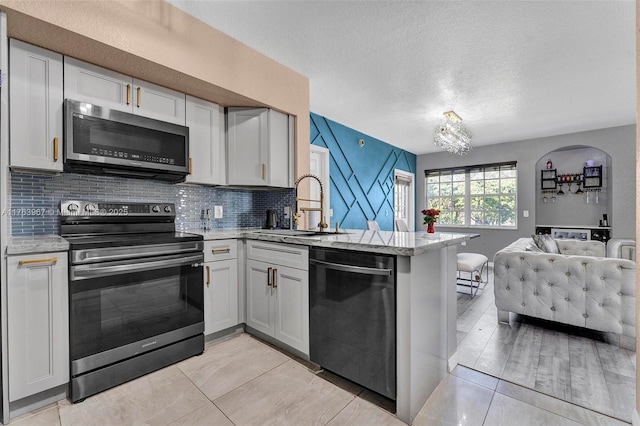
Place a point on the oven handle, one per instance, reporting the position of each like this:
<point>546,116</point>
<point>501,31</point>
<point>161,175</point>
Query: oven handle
<point>97,270</point>
<point>129,252</point>
<point>350,268</point>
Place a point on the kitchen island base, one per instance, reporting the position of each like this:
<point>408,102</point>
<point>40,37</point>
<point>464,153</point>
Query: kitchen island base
<point>426,326</point>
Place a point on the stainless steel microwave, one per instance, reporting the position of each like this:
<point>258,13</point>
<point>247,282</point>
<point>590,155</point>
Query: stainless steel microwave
<point>104,141</point>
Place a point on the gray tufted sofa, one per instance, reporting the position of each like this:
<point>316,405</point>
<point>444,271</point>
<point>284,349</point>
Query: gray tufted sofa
<point>579,286</point>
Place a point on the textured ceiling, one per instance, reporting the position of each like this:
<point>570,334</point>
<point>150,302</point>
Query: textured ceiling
<point>512,70</point>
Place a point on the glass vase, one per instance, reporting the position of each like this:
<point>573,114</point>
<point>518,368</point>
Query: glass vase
<point>431,228</point>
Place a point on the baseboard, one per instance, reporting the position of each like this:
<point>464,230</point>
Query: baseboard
<point>453,361</point>
<point>635,418</point>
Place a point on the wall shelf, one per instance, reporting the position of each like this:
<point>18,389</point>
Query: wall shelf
<point>592,177</point>
<point>549,179</point>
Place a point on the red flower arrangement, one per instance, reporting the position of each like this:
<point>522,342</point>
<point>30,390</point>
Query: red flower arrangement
<point>431,215</point>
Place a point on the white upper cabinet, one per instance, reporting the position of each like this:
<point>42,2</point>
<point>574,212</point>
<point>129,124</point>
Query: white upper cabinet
<point>207,158</point>
<point>259,147</point>
<point>35,96</point>
<point>96,85</point>
<point>158,102</point>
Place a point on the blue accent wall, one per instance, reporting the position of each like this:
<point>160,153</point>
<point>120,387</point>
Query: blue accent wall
<point>362,178</point>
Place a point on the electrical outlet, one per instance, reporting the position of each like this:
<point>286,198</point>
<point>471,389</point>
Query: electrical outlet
<point>525,213</point>
<point>286,212</point>
<point>217,212</point>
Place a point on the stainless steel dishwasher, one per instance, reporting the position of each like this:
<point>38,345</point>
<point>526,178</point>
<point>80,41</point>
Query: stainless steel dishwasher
<point>352,313</point>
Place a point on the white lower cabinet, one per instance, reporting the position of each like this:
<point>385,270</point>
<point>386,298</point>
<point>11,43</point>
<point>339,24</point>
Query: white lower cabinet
<point>220,285</point>
<point>278,294</point>
<point>38,323</point>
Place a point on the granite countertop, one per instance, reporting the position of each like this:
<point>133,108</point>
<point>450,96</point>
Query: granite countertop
<point>385,242</point>
<point>36,244</point>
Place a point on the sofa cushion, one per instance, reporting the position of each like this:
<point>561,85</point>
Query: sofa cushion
<point>546,244</point>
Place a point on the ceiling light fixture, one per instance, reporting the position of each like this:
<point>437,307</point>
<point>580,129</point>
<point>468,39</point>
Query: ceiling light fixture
<point>451,136</point>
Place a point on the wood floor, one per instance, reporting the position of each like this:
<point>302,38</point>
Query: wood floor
<point>570,363</point>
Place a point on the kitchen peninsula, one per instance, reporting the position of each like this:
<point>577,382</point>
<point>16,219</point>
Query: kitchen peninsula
<point>425,299</point>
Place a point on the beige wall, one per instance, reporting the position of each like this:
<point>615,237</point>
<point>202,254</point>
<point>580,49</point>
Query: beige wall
<point>156,42</point>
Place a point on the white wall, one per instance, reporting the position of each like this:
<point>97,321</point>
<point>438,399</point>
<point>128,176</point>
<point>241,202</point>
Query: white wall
<point>618,142</point>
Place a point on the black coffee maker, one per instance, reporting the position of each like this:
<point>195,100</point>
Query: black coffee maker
<point>272,219</point>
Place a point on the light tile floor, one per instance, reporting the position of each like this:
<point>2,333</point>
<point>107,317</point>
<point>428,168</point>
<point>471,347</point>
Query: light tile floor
<point>243,381</point>
<point>570,363</point>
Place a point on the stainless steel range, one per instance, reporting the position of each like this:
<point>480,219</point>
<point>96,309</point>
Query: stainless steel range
<point>135,289</point>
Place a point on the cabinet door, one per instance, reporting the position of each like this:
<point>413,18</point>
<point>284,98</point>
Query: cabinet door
<point>150,100</point>
<point>207,153</point>
<point>291,302</point>
<point>280,160</point>
<point>38,323</point>
<point>259,310</point>
<point>247,146</point>
<point>221,295</point>
<point>36,95</point>
<point>96,85</point>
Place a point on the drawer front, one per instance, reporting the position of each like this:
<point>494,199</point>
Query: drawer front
<point>220,250</point>
<point>279,254</point>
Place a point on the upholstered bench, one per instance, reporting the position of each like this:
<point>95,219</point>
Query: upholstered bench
<point>473,264</point>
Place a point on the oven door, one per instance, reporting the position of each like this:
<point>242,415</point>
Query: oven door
<point>122,309</point>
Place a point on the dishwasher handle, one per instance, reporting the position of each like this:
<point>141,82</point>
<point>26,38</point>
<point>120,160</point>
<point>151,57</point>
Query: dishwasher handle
<point>350,268</point>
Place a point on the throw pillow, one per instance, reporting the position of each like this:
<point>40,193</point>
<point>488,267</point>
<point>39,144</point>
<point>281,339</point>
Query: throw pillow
<point>546,243</point>
<point>533,248</point>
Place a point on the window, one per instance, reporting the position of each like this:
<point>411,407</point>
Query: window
<point>403,197</point>
<point>483,196</point>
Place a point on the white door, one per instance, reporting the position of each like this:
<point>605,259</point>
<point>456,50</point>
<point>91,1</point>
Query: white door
<point>207,151</point>
<point>259,310</point>
<point>36,107</point>
<point>291,291</point>
<point>38,323</point>
<point>247,146</point>
<point>158,102</point>
<point>93,84</point>
<point>403,198</point>
<point>319,166</point>
<point>221,295</point>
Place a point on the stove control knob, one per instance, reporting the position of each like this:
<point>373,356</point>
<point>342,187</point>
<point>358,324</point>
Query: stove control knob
<point>90,208</point>
<point>155,209</point>
<point>73,208</point>
<point>167,209</point>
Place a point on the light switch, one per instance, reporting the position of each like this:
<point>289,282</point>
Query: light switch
<point>217,212</point>
<point>525,213</point>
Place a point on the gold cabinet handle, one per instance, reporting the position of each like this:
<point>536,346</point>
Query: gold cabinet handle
<point>274,279</point>
<point>138,96</point>
<point>264,170</point>
<point>55,148</point>
<point>190,166</point>
<point>208,276</point>
<point>269,277</point>
<point>31,262</point>
<point>128,94</point>
<point>221,250</point>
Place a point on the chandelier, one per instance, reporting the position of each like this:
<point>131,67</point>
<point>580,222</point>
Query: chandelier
<point>451,136</point>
